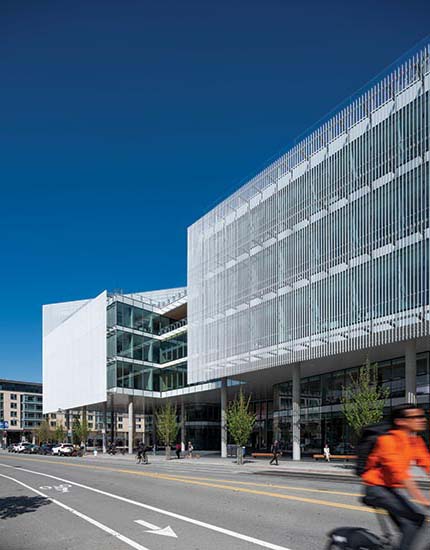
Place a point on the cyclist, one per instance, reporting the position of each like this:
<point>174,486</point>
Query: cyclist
<point>389,484</point>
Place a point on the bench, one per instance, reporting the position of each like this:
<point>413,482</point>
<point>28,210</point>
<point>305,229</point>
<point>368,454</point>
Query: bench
<point>262,455</point>
<point>336,457</point>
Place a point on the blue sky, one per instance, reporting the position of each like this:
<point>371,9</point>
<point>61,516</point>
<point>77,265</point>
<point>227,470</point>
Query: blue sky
<point>121,123</point>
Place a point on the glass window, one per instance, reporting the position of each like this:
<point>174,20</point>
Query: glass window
<point>13,405</point>
<point>423,387</point>
<point>137,318</point>
<point>398,378</point>
<point>13,396</point>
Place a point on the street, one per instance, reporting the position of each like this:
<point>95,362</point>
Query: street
<point>113,503</point>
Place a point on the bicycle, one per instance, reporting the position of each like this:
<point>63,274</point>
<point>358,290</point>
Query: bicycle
<point>358,538</point>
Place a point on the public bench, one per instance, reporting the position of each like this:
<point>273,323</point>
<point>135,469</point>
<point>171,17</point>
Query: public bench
<point>345,458</point>
<point>261,455</point>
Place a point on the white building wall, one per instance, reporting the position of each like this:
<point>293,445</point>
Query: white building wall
<point>74,354</point>
<point>326,250</point>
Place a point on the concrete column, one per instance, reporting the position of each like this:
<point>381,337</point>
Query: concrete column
<point>224,418</point>
<point>183,435</point>
<point>411,372</point>
<point>104,428</point>
<point>276,430</point>
<point>130,425</point>
<point>33,438</point>
<point>143,423</point>
<point>296,412</point>
<point>70,430</point>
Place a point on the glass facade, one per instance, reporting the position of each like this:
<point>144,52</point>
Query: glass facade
<point>322,419</point>
<point>327,250</point>
<point>139,343</point>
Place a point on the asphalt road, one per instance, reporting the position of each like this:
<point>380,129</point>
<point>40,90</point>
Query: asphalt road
<point>109,503</point>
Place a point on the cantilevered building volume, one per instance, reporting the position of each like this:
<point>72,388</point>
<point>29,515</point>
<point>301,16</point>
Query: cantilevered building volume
<point>318,263</point>
<point>327,250</point>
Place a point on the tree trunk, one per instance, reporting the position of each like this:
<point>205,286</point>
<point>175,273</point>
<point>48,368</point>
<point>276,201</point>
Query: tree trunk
<point>167,452</point>
<point>239,454</point>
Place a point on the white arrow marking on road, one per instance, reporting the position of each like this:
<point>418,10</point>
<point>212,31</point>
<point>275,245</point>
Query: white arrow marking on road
<point>210,526</point>
<point>75,512</point>
<point>154,530</point>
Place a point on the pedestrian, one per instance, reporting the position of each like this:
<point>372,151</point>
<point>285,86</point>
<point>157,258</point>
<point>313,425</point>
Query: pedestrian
<point>327,452</point>
<point>190,449</point>
<point>182,448</point>
<point>178,450</point>
<point>140,451</point>
<point>275,452</point>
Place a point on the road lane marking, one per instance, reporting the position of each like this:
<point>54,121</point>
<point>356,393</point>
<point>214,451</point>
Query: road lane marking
<point>92,521</point>
<point>186,519</point>
<point>154,530</point>
<point>178,477</point>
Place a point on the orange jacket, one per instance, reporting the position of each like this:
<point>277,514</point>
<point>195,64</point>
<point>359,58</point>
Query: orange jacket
<point>390,460</point>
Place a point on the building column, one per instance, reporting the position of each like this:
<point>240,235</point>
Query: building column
<point>276,430</point>
<point>411,372</point>
<point>130,425</point>
<point>69,416</point>
<point>104,428</point>
<point>296,412</point>
<point>223,418</point>
<point>143,423</point>
<point>183,423</point>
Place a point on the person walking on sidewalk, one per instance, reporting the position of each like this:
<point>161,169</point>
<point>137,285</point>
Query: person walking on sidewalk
<point>327,452</point>
<point>190,449</point>
<point>275,452</point>
<point>178,450</point>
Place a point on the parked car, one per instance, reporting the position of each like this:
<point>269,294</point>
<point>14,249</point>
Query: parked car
<point>21,447</point>
<point>64,449</point>
<point>45,449</point>
<point>10,448</point>
<point>31,449</point>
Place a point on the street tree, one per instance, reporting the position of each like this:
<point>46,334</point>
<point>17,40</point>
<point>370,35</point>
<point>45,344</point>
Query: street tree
<point>363,399</point>
<point>167,426</point>
<point>81,431</point>
<point>44,432</point>
<point>60,433</point>
<point>240,422</point>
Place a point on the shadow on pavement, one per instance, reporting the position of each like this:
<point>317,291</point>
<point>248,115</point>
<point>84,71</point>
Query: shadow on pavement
<point>11,507</point>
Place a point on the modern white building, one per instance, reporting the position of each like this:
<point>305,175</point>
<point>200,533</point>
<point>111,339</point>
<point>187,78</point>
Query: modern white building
<point>318,263</point>
<point>323,257</point>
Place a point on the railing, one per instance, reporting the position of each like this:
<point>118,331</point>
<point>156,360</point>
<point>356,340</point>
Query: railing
<point>173,326</point>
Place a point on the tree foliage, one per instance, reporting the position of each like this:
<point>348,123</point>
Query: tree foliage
<point>80,430</point>
<point>44,433</point>
<point>167,425</point>
<point>363,400</point>
<point>240,421</point>
<point>60,433</point>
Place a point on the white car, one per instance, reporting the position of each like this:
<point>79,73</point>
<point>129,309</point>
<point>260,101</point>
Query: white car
<point>63,449</point>
<point>21,447</point>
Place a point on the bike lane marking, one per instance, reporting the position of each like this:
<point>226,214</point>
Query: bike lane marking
<point>187,519</point>
<point>86,518</point>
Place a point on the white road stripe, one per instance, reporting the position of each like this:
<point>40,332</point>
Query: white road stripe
<point>94,522</point>
<point>203,524</point>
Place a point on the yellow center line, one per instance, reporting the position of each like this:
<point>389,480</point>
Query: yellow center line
<point>218,485</point>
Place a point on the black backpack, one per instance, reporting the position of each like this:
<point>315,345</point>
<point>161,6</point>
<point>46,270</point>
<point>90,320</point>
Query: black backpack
<point>367,442</point>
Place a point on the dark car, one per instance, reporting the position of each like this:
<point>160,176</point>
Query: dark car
<point>45,449</point>
<point>31,449</point>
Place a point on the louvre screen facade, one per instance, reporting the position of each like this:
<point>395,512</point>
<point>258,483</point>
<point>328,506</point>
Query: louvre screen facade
<point>327,249</point>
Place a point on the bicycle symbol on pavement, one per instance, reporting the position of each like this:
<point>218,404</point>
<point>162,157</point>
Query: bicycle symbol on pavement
<point>63,488</point>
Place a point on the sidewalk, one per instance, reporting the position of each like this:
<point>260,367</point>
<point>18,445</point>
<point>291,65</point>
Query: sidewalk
<point>306,468</point>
